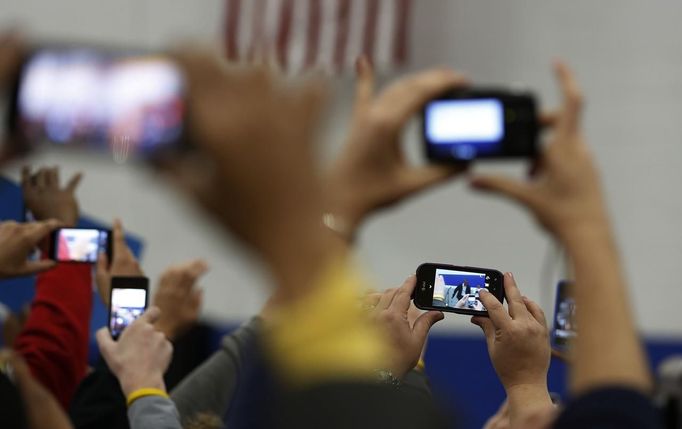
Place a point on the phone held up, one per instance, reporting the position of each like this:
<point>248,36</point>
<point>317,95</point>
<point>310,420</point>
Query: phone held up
<point>564,330</point>
<point>475,123</point>
<point>79,245</point>
<point>127,301</point>
<point>456,289</point>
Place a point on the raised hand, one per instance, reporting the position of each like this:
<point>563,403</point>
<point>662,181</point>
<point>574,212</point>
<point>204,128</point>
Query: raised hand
<point>47,199</point>
<point>123,263</point>
<point>18,241</point>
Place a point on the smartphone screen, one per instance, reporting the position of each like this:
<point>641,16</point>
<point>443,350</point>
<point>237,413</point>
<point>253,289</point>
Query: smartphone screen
<point>456,289</point>
<point>565,328</point>
<point>128,103</point>
<point>79,244</point>
<point>128,302</point>
<point>470,124</point>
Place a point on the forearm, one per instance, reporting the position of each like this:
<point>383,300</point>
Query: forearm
<point>526,402</point>
<point>54,340</point>
<point>607,350</point>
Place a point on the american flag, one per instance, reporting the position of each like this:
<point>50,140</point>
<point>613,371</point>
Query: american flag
<point>318,34</point>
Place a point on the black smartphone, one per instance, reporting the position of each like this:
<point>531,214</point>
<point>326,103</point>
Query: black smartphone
<point>81,245</point>
<point>466,124</point>
<point>456,289</point>
<point>127,102</point>
<point>564,329</point>
<point>127,301</point>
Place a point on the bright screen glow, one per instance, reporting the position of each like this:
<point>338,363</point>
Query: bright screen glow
<point>465,121</point>
<point>127,103</point>
<point>80,245</point>
<point>126,306</point>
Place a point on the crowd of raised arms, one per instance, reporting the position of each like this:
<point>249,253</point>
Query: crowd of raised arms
<point>357,361</point>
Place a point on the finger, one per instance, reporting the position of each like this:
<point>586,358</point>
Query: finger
<point>36,231</point>
<point>11,55</point>
<point>516,190</point>
<point>33,267</point>
<point>102,263</point>
<point>120,247</point>
<point>420,178</point>
<point>364,85</point>
<point>385,300</point>
<point>41,178</point>
<point>371,300</point>
<point>197,299</point>
<point>105,343</point>
<point>549,119</point>
<point>487,326</point>
<point>74,182</point>
<point>424,323</point>
<point>517,308</point>
<point>25,176</point>
<point>150,316</point>
<point>404,98</point>
<point>402,299</point>
<point>535,310</point>
<point>52,177</point>
<point>496,310</point>
<point>197,268</point>
<point>573,99</point>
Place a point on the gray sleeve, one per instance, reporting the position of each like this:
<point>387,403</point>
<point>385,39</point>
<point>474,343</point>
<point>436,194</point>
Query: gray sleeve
<point>210,387</point>
<point>153,412</point>
<point>417,381</point>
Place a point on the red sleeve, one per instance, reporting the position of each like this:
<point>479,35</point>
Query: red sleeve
<point>54,340</point>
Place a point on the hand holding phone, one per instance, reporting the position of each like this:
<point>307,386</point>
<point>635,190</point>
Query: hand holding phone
<point>456,289</point>
<point>127,302</point>
<point>474,123</point>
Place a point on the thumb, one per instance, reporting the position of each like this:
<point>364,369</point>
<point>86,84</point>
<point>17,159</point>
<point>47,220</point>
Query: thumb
<point>32,267</point>
<point>102,264</point>
<point>486,326</point>
<point>74,182</point>
<point>424,323</point>
<point>510,188</point>
<point>105,343</point>
<point>150,316</point>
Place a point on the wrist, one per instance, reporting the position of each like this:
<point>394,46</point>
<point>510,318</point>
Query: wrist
<point>133,383</point>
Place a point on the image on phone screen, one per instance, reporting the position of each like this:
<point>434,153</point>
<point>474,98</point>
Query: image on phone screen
<point>79,245</point>
<point>565,328</point>
<point>126,102</point>
<point>126,306</point>
<point>465,128</point>
<point>458,289</point>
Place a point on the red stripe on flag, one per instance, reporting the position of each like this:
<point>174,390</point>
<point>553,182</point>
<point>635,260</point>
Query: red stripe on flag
<point>342,26</point>
<point>400,40</point>
<point>257,46</point>
<point>370,30</point>
<point>232,29</point>
<point>313,35</point>
<point>286,15</point>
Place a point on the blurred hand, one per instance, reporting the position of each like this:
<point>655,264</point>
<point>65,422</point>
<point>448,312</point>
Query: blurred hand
<point>17,243</point>
<point>141,355</point>
<point>46,199</point>
<point>12,51</point>
<point>178,298</point>
<point>256,173</point>
<point>565,195</point>
<point>41,408</point>
<point>518,339</point>
<point>390,310</point>
<point>123,263</point>
<point>372,172</point>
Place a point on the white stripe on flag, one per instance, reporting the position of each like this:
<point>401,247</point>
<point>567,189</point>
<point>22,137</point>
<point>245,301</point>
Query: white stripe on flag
<point>383,50</point>
<point>325,58</point>
<point>355,32</point>
<point>299,37</point>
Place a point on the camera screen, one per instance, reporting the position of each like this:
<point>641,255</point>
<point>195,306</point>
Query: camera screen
<point>124,103</point>
<point>465,128</point>
<point>564,315</point>
<point>459,289</point>
<point>80,245</point>
<point>126,306</point>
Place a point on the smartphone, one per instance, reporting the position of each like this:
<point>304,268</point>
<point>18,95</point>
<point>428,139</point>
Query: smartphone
<point>81,245</point>
<point>456,289</point>
<point>564,329</point>
<point>127,102</point>
<point>127,301</point>
<point>467,124</point>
